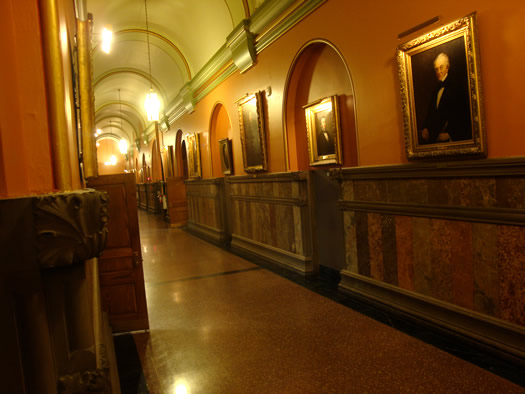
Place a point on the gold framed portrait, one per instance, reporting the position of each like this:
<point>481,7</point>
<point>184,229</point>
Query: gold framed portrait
<point>194,156</point>
<point>253,135</point>
<point>225,152</point>
<point>441,92</point>
<point>323,130</point>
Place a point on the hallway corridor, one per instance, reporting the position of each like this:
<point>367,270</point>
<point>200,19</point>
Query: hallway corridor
<point>221,324</point>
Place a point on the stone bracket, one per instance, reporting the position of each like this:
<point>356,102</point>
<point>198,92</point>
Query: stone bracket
<point>242,46</point>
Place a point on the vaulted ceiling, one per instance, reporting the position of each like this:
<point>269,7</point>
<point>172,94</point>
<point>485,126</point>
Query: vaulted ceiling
<point>183,36</point>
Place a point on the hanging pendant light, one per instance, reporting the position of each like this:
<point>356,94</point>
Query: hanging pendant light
<point>113,159</point>
<point>123,143</point>
<point>152,103</point>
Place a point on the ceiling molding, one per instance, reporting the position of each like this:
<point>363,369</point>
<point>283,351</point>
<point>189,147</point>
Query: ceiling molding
<point>103,118</point>
<point>269,22</point>
<point>246,8</point>
<point>242,46</point>
<point>134,71</point>
<point>160,37</point>
<point>125,104</point>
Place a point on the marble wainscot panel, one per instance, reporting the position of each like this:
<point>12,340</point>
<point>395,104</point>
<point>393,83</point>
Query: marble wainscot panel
<point>207,209</point>
<point>442,241</point>
<point>270,219</point>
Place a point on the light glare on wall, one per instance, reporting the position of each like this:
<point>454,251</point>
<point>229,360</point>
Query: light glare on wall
<point>123,146</point>
<point>107,36</point>
<point>112,161</point>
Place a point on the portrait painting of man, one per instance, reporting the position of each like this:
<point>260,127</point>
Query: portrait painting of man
<point>441,92</point>
<point>193,155</point>
<point>225,152</point>
<point>253,139</point>
<point>323,132</point>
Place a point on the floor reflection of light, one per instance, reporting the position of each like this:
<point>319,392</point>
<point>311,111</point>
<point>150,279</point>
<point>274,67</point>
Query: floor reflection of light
<point>145,249</point>
<point>181,387</point>
<point>175,297</point>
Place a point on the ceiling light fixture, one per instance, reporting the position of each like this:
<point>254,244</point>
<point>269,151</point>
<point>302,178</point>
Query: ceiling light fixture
<point>107,36</point>
<point>113,159</point>
<point>123,143</point>
<point>152,102</point>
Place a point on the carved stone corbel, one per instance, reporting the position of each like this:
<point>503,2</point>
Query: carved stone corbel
<point>90,381</point>
<point>70,227</point>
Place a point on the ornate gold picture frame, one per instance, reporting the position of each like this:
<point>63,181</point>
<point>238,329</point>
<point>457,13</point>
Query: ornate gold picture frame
<point>194,156</point>
<point>253,135</point>
<point>225,152</point>
<point>441,92</point>
<point>324,133</point>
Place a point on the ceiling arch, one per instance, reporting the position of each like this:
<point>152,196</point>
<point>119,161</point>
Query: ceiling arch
<point>183,36</point>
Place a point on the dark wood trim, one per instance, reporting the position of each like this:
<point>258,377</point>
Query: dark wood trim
<point>298,176</point>
<point>207,181</point>
<point>215,196</point>
<point>270,200</point>
<point>506,216</point>
<point>470,168</point>
<point>497,336</point>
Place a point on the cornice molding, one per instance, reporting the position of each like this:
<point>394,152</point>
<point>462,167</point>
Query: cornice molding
<point>514,166</point>
<point>270,22</point>
<point>242,46</point>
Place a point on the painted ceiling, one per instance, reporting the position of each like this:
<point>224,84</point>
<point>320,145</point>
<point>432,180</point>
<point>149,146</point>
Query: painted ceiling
<point>183,36</point>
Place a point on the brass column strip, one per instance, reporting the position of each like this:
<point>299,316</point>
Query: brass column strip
<point>87,99</point>
<point>54,74</point>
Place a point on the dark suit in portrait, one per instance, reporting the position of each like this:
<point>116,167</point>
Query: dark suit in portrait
<point>325,136</point>
<point>448,114</point>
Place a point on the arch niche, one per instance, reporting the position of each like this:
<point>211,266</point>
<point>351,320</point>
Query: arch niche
<point>220,128</point>
<point>318,70</point>
<point>181,161</point>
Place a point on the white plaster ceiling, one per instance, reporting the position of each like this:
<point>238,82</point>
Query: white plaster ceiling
<point>184,35</point>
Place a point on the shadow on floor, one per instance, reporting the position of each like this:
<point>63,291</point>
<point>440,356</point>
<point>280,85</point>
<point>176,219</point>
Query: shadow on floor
<point>130,372</point>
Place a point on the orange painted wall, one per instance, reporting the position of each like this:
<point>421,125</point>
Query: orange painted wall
<point>25,157</point>
<point>366,35</point>
<point>106,148</point>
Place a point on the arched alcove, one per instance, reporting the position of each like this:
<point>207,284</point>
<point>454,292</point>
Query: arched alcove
<point>220,128</point>
<point>156,162</point>
<point>318,71</point>
<point>184,160</point>
<point>181,162</point>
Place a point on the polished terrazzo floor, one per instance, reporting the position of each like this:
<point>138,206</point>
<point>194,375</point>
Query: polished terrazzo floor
<point>221,324</point>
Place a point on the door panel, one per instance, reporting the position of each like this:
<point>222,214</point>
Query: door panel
<point>177,204</point>
<point>120,265</point>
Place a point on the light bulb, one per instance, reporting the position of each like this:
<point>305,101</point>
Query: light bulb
<point>123,146</point>
<point>152,105</point>
<point>107,36</point>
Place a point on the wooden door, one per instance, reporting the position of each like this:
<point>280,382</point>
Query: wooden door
<point>177,204</point>
<point>120,266</point>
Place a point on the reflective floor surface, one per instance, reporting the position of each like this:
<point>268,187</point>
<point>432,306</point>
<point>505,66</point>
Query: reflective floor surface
<point>221,324</point>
